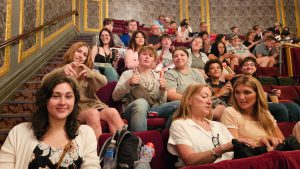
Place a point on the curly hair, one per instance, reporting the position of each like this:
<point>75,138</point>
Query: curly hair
<point>69,55</point>
<point>40,120</point>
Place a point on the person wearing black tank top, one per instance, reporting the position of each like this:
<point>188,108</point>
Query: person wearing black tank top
<point>103,57</point>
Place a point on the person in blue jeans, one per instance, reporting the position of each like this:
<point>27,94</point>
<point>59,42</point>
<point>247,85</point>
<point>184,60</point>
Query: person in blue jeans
<point>144,90</point>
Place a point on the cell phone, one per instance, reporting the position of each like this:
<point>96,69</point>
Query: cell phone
<point>113,54</point>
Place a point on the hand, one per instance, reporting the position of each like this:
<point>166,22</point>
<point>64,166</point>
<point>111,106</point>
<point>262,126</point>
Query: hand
<point>162,81</point>
<point>81,71</point>
<point>69,69</point>
<point>135,78</point>
<point>248,142</point>
<point>270,142</point>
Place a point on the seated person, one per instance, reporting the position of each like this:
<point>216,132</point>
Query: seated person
<point>154,37</point>
<point>197,59</point>
<point>40,143</point>
<point>164,61</point>
<point>138,40</point>
<point>182,34</point>
<point>181,76</point>
<point>78,65</point>
<point>250,42</point>
<point>194,137</point>
<point>132,27</point>
<point>249,117</point>
<point>221,90</point>
<point>206,39</point>
<point>267,49</point>
<point>296,131</point>
<point>109,24</point>
<point>218,51</point>
<point>160,22</point>
<point>104,59</point>
<point>152,90</point>
<point>235,29</point>
<point>172,29</point>
<point>281,111</point>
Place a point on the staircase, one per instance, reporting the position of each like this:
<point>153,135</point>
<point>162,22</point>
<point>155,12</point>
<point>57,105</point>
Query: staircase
<point>20,107</point>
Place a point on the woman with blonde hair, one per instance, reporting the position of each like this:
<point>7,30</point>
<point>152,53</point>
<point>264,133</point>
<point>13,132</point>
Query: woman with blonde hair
<point>249,116</point>
<point>193,123</point>
<point>78,66</point>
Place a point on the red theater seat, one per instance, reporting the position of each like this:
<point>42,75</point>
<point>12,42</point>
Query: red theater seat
<point>286,128</point>
<point>287,92</point>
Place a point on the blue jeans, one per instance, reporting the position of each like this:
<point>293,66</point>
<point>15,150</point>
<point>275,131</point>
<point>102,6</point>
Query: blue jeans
<point>109,72</point>
<point>137,111</point>
<point>285,111</point>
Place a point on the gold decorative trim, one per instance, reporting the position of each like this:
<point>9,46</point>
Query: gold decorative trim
<point>180,10</point>
<point>106,8</point>
<point>25,54</point>
<point>85,17</point>
<point>56,33</point>
<point>282,13</point>
<point>73,8</point>
<point>207,16</point>
<point>187,10</point>
<point>5,67</point>
<point>289,61</point>
<point>297,14</point>
<point>202,10</point>
<point>277,11</point>
<point>101,13</point>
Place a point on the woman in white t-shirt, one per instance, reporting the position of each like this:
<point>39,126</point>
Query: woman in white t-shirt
<point>194,138</point>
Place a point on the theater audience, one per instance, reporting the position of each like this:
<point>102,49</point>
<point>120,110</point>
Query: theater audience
<point>132,27</point>
<point>221,89</point>
<point>137,41</point>
<point>78,65</point>
<point>182,34</point>
<point>296,131</point>
<point>235,30</point>
<point>267,50</point>
<point>182,75</point>
<point>250,43</point>
<point>53,138</point>
<point>194,137</point>
<point>109,24</point>
<point>197,58</point>
<point>281,111</point>
<point>160,22</point>
<point>249,116</point>
<point>206,41</point>
<point>164,61</point>
<point>172,30</point>
<point>104,59</point>
<point>145,91</point>
<point>218,51</point>
<point>258,33</point>
<point>154,37</point>
<point>203,27</point>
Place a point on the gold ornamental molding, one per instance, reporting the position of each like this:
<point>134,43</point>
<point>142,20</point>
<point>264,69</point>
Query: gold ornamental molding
<point>280,16</point>
<point>85,16</point>
<point>205,15</point>
<point>180,10</point>
<point>59,31</point>
<point>24,54</point>
<point>187,10</point>
<point>106,9</point>
<point>297,14</point>
<point>5,67</point>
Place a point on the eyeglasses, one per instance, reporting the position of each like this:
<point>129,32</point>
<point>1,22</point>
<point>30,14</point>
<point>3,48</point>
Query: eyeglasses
<point>215,140</point>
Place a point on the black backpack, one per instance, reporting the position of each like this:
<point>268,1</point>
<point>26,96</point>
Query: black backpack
<point>127,150</point>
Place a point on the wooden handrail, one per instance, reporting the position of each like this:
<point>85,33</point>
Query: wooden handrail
<point>291,45</point>
<point>25,34</point>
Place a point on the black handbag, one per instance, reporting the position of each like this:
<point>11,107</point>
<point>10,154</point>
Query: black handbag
<point>289,144</point>
<point>242,150</point>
